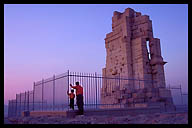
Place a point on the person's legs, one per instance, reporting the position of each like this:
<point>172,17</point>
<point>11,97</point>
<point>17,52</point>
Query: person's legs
<point>78,103</point>
<point>72,104</point>
<point>81,104</point>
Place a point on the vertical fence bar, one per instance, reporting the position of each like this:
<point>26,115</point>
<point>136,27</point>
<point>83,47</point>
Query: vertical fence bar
<point>8,108</point>
<point>100,86</point>
<point>20,104</point>
<point>96,87</point>
<point>92,85</point>
<point>87,88</point>
<point>42,92</point>
<point>75,77</point>
<point>91,101</point>
<point>84,92</point>
<point>25,100</point>
<point>181,95</point>
<point>68,87</point>
<point>88,97</point>
<point>72,77</point>
<point>80,79</point>
<point>28,102</point>
<point>33,96</point>
<point>70,81</point>
<point>16,106</point>
<point>53,92</point>
<point>12,107</point>
<point>83,87</point>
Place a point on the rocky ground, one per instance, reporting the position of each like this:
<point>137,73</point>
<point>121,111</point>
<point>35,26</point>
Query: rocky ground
<point>6,121</point>
<point>157,118</point>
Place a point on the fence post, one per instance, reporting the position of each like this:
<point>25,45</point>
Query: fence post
<point>42,93</point>
<point>68,86</point>
<point>20,104</point>
<point>8,108</point>
<point>16,106</point>
<point>25,99</point>
<point>33,96</point>
<point>12,108</point>
<point>96,87</point>
<point>181,95</point>
<point>53,92</point>
<point>28,101</point>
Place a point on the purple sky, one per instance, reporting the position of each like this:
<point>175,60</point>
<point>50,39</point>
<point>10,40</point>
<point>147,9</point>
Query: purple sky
<point>42,40</point>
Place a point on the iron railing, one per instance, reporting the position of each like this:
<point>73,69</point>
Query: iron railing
<point>51,94</point>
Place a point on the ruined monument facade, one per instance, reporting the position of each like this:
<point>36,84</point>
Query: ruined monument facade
<point>133,53</point>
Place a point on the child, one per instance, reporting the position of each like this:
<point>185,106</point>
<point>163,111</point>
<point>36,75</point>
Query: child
<point>71,96</point>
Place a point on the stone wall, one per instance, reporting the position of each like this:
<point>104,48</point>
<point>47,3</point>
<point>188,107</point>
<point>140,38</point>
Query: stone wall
<point>128,57</point>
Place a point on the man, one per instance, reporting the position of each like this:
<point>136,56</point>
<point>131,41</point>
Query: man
<point>79,95</point>
<point>71,96</point>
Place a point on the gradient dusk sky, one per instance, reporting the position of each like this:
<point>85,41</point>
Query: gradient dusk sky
<point>41,40</point>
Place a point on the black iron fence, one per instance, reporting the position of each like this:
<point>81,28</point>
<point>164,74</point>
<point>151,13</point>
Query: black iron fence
<point>51,94</point>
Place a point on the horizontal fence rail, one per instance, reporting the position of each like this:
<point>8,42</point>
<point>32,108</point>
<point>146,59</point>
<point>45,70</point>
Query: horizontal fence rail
<point>51,94</point>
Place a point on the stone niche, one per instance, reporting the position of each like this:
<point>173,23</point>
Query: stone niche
<point>133,53</point>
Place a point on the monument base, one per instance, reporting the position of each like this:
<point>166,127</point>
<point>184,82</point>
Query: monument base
<point>140,98</point>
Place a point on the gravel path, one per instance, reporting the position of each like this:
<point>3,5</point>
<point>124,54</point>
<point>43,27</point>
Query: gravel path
<point>157,118</point>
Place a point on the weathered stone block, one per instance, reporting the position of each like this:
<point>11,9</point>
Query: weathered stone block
<point>139,100</point>
<point>149,94</point>
<point>161,104</point>
<point>126,96</point>
<point>134,95</point>
<point>141,95</point>
<point>140,105</point>
<point>164,93</point>
<point>130,100</point>
<point>169,100</point>
<point>124,101</point>
<point>154,99</point>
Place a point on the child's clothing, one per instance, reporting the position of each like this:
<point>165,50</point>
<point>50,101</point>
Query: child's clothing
<point>71,96</point>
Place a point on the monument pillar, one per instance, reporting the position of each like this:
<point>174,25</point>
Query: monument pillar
<point>133,53</point>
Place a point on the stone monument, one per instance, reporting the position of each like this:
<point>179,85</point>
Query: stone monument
<point>133,53</point>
